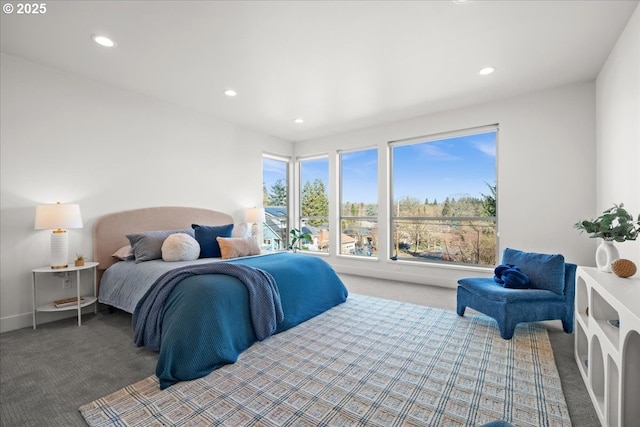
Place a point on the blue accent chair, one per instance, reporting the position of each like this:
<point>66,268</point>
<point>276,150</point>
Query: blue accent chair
<point>510,306</point>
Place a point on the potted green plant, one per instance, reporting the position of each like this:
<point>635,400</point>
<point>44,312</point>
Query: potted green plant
<point>297,237</point>
<point>615,224</point>
<point>79,262</point>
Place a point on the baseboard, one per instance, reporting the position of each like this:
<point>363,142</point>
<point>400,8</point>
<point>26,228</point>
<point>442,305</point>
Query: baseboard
<point>25,320</point>
<point>418,278</point>
<point>18,321</point>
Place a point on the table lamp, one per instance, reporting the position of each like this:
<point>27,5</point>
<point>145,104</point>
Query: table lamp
<point>58,217</point>
<point>254,216</point>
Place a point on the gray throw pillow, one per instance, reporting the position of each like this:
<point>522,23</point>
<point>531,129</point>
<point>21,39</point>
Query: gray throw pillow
<point>148,245</point>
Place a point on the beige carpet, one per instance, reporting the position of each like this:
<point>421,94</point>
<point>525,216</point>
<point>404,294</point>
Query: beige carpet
<point>368,361</point>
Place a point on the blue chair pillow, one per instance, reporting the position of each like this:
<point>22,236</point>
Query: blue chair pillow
<point>510,276</point>
<point>545,271</point>
<point>206,237</point>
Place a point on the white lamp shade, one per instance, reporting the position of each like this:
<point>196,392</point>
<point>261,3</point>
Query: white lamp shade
<point>58,216</point>
<point>254,215</point>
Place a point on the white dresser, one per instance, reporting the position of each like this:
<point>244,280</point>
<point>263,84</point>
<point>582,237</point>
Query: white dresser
<point>608,356</point>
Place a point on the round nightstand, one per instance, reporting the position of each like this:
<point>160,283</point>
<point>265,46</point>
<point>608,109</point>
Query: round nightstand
<point>80,300</point>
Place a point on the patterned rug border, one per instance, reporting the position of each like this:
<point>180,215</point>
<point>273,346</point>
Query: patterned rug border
<point>396,363</point>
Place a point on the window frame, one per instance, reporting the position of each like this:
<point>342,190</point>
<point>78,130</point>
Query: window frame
<point>286,221</point>
<point>342,217</point>
<point>300,219</point>
<point>393,243</point>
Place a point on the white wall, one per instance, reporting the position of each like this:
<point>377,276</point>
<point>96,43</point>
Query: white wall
<point>546,154</point>
<point>618,130</point>
<point>73,140</point>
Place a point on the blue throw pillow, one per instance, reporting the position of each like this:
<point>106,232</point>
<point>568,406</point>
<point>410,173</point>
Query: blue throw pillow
<point>510,276</point>
<point>206,237</point>
<point>544,270</point>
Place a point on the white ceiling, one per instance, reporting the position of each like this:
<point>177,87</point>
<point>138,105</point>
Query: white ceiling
<point>339,65</point>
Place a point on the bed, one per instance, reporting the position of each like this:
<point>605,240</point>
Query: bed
<point>201,314</point>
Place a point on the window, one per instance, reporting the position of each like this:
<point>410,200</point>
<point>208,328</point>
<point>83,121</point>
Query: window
<point>314,202</point>
<point>275,199</point>
<point>444,198</point>
<point>359,202</point>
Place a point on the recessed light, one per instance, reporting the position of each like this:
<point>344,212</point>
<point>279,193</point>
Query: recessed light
<point>298,120</point>
<point>230,92</point>
<point>459,1</point>
<point>486,71</point>
<point>103,41</point>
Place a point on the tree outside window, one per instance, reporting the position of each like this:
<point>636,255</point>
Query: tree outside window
<point>314,203</point>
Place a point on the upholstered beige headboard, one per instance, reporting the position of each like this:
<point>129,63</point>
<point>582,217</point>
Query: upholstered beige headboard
<point>110,231</point>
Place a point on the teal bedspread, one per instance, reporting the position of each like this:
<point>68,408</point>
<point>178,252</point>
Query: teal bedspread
<point>264,300</point>
<point>207,318</point>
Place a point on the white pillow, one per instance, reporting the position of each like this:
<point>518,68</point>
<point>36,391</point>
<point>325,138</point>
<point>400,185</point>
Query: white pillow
<point>180,247</point>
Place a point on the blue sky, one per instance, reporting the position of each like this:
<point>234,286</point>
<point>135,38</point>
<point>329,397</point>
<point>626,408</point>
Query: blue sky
<point>359,173</point>
<point>272,170</point>
<point>454,168</point>
<point>315,169</point>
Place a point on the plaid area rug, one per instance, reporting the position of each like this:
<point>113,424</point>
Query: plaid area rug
<point>367,362</point>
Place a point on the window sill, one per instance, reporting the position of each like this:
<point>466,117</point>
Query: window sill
<point>466,268</point>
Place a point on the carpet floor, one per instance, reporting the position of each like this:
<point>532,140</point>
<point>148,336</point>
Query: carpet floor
<point>46,374</point>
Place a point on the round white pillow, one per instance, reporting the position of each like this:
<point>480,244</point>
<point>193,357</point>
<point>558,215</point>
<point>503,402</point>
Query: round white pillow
<point>180,247</point>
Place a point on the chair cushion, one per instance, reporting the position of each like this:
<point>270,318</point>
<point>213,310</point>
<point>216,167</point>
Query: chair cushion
<point>486,287</point>
<point>545,271</point>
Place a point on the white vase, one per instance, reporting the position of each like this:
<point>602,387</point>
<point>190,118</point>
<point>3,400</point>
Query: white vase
<point>605,255</point>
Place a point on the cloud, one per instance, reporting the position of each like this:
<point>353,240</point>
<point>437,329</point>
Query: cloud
<point>488,148</point>
<point>434,151</point>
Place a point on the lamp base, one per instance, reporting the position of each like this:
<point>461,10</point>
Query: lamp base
<point>59,249</point>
